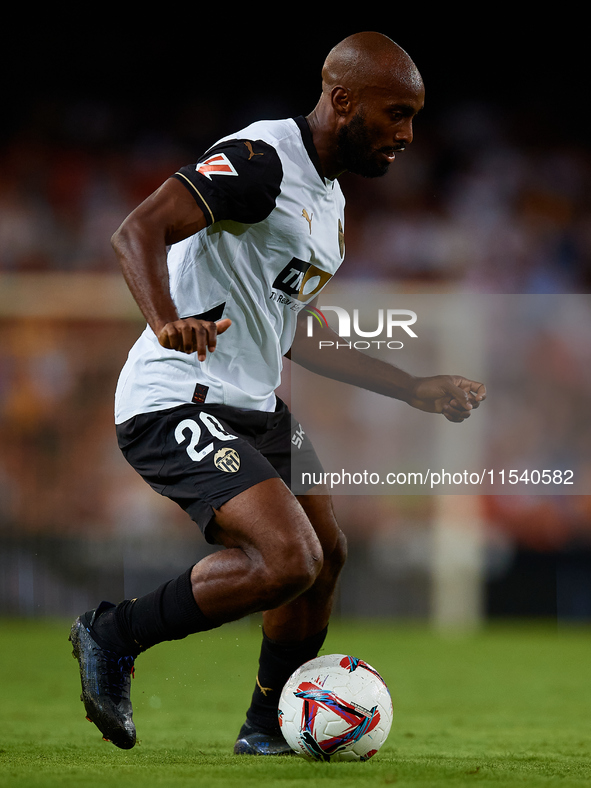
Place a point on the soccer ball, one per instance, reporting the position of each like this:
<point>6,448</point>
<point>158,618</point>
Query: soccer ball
<point>335,708</point>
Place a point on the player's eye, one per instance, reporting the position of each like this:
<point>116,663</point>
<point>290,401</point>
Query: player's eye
<point>396,116</point>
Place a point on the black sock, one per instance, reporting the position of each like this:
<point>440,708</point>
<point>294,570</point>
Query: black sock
<point>134,625</point>
<point>277,662</point>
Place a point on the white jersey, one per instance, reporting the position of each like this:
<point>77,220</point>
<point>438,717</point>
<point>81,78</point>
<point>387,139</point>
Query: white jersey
<point>274,239</point>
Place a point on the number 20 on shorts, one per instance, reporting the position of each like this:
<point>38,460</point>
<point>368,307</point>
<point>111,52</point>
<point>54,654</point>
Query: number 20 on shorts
<point>212,425</point>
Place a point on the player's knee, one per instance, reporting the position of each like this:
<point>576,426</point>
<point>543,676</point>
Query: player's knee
<point>292,572</point>
<point>298,572</point>
<point>335,560</point>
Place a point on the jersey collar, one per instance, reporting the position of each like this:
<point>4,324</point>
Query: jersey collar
<point>306,133</point>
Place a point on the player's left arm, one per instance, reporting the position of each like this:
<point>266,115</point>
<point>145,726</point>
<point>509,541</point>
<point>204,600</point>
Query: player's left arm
<point>452,395</point>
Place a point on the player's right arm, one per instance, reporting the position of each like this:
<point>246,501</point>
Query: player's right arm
<point>167,216</point>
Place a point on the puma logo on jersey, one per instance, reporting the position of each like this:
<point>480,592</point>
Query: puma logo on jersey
<point>218,164</point>
<point>251,152</point>
<point>308,218</point>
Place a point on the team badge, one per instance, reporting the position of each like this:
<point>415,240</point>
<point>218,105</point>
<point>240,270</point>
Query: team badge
<point>218,164</point>
<point>227,460</point>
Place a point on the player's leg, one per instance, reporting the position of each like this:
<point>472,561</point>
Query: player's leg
<point>272,555</point>
<point>293,633</point>
<point>309,613</point>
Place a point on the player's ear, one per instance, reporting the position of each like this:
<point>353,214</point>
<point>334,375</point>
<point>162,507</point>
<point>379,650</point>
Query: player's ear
<point>342,100</point>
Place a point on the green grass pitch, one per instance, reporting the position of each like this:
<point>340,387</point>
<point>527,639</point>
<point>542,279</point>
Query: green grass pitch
<point>508,706</point>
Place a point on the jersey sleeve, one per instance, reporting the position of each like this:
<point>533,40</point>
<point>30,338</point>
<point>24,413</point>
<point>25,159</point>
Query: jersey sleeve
<point>236,179</point>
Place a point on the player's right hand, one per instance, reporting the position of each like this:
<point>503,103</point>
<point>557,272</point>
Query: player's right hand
<point>190,335</point>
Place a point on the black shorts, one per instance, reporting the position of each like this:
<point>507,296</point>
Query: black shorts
<point>201,456</point>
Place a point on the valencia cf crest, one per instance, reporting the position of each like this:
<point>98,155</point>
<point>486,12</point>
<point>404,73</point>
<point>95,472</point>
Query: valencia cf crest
<point>227,460</point>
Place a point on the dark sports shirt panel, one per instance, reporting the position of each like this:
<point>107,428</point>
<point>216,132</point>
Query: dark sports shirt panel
<point>238,180</point>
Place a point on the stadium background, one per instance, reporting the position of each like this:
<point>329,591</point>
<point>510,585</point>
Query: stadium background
<point>493,196</point>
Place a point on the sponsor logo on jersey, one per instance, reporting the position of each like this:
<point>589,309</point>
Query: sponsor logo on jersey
<point>227,460</point>
<point>301,280</point>
<point>217,164</point>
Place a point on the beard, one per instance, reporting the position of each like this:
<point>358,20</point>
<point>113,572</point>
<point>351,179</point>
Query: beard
<point>355,151</point>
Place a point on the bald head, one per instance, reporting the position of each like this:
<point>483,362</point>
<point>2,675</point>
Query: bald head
<point>371,91</point>
<point>369,60</point>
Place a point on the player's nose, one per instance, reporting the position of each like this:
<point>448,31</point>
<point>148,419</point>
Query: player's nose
<point>404,135</point>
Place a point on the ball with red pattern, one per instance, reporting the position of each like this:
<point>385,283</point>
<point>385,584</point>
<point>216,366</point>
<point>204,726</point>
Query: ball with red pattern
<point>335,708</point>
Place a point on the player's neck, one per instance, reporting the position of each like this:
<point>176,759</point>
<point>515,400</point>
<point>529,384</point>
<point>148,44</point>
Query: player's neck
<point>323,136</point>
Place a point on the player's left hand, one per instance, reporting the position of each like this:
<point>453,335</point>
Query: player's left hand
<point>452,395</point>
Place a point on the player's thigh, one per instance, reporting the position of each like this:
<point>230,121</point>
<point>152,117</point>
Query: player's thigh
<point>269,520</point>
<point>290,451</point>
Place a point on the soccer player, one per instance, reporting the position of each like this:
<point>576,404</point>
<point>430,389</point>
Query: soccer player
<point>220,259</point>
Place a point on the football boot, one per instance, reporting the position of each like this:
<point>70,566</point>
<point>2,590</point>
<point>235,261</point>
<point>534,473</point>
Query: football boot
<point>251,741</point>
<point>106,682</point>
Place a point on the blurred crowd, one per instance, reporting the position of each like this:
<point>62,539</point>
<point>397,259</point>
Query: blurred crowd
<point>478,200</point>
